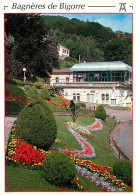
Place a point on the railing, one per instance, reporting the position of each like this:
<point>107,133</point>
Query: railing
<point>87,84</point>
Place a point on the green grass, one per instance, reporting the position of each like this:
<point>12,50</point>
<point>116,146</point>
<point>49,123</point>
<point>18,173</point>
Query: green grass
<point>21,179</point>
<point>104,154</point>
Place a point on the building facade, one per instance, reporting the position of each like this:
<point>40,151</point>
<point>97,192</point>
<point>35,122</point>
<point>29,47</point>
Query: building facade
<point>63,51</point>
<point>96,83</point>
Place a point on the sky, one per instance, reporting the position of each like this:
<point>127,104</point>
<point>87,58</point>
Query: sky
<point>116,22</point>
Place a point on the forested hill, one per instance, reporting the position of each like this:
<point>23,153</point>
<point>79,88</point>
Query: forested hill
<point>91,40</point>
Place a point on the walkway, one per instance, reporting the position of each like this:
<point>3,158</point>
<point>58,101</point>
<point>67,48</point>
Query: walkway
<point>122,134</point>
<point>9,123</point>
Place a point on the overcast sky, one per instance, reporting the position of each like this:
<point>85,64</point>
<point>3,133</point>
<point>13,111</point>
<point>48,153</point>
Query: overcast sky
<point>116,22</point>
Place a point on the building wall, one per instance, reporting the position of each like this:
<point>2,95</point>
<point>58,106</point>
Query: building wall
<point>61,78</point>
<point>63,51</point>
<point>111,96</point>
<point>92,92</point>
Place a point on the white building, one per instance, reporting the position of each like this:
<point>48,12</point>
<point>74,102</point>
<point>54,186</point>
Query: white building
<point>99,82</point>
<point>63,51</point>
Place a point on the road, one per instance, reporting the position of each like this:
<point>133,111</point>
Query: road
<point>123,132</point>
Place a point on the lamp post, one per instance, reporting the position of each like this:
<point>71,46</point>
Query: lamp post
<point>24,70</point>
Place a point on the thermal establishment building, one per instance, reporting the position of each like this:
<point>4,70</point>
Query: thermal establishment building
<point>95,82</point>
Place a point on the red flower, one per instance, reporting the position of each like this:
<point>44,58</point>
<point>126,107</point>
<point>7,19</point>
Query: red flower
<point>25,154</point>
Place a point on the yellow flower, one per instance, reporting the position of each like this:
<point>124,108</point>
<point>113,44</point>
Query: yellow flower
<point>81,187</point>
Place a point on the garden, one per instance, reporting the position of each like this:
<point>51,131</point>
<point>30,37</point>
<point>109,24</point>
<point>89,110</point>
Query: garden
<point>53,153</point>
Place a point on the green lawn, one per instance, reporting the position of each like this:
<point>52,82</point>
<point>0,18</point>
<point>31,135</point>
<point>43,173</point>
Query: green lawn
<point>21,179</point>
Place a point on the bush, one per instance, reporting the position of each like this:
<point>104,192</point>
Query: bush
<point>27,87</point>
<point>100,113</point>
<point>38,85</point>
<point>59,168</point>
<point>33,93</point>
<point>123,170</point>
<point>45,94</point>
<point>36,125</point>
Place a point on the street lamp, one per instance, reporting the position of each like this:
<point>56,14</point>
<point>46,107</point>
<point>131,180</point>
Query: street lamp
<point>24,70</point>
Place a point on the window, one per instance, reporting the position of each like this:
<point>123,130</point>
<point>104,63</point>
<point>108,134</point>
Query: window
<point>74,97</point>
<point>107,98</point>
<point>57,80</point>
<point>78,97</point>
<point>67,79</point>
<point>103,98</point>
<point>88,97</point>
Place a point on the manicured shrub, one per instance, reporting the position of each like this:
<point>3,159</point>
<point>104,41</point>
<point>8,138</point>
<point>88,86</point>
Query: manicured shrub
<point>100,113</point>
<point>45,94</point>
<point>36,125</point>
<point>59,168</point>
<point>27,87</point>
<point>123,170</point>
<point>33,93</point>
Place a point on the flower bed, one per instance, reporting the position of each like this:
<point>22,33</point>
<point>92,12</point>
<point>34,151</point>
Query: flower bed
<point>80,129</point>
<point>96,126</point>
<point>23,100</point>
<point>87,150</point>
<point>102,173</point>
<point>10,98</point>
<point>63,105</point>
<point>99,181</point>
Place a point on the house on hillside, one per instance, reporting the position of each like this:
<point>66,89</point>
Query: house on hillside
<point>63,51</point>
<point>95,82</point>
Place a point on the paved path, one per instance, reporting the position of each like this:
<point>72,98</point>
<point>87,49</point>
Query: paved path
<point>123,138</point>
<point>123,132</point>
<point>9,123</point>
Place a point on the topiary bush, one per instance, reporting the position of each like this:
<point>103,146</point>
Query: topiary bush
<point>36,125</point>
<point>59,169</point>
<point>27,87</point>
<point>45,94</point>
<point>123,170</point>
<point>33,93</point>
<point>100,113</point>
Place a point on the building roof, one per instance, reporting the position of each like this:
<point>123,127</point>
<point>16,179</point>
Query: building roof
<point>101,66</point>
<point>65,70</point>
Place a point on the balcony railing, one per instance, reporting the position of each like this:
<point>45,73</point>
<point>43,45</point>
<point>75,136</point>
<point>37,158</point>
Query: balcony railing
<point>88,84</point>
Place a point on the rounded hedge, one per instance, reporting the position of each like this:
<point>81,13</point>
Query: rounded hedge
<point>27,87</point>
<point>33,93</point>
<point>36,125</point>
<point>123,170</point>
<point>100,113</point>
<point>45,94</point>
<point>59,169</point>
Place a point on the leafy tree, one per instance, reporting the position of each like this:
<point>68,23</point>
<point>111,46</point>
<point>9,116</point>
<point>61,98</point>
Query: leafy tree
<point>9,42</point>
<point>35,45</point>
<point>118,50</point>
<point>89,51</point>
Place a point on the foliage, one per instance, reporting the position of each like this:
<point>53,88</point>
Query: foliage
<point>89,51</point>
<point>59,168</point>
<point>67,62</point>
<point>123,170</point>
<point>98,43</point>
<point>27,87</point>
<point>33,93</point>
<point>36,125</point>
<point>45,94</point>
<point>100,113</point>
<point>35,46</point>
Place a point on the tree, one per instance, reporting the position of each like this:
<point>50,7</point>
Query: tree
<point>118,50</point>
<point>9,42</point>
<point>35,45</point>
<point>89,51</point>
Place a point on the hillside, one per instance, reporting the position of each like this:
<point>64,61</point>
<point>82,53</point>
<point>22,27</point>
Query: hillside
<point>91,40</point>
